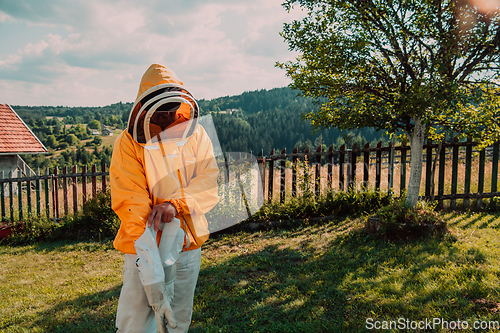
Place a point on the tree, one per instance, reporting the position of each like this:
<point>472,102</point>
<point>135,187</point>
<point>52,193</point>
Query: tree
<point>420,68</point>
<point>51,141</point>
<point>71,139</point>
<point>97,141</point>
<point>94,124</point>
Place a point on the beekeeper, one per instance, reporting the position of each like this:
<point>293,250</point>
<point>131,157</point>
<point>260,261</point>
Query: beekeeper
<point>163,176</point>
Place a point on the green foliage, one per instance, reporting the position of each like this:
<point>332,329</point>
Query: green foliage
<point>94,124</point>
<point>79,131</point>
<point>71,139</point>
<point>333,204</point>
<point>96,221</point>
<point>399,221</point>
<point>272,119</point>
<point>97,218</point>
<point>385,64</point>
<point>51,141</point>
<point>97,141</point>
<point>398,212</point>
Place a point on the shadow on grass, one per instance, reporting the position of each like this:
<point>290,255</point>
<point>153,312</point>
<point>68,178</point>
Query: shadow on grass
<point>58,246</point>
<point>479,220</point>
<point>90,313</point>
<point>302,289</point>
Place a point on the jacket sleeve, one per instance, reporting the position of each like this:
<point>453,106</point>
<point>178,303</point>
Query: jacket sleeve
<point>200,195</point>
<point>130,198</point>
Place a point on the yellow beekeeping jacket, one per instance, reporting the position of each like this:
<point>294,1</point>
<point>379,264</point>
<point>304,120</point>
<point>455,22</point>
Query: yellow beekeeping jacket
<point>148,169</point>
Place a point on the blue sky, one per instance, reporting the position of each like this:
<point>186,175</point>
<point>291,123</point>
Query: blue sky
<point>94,52</point>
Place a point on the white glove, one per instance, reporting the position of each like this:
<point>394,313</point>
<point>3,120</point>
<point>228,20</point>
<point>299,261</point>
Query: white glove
<point>159,297</point>
<point>158,270</point>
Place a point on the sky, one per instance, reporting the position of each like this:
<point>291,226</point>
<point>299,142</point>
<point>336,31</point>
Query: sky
<point>94,52</point>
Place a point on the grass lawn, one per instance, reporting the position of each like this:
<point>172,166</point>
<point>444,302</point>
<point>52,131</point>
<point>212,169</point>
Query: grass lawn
<point>327,278</point>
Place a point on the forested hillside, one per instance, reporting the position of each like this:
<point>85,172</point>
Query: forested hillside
<point>256,121</point>
<point>267,119</point>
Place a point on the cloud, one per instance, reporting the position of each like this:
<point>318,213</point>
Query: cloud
<point>216,47</point>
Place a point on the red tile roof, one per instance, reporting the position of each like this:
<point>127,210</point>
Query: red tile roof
<point>15,135</point>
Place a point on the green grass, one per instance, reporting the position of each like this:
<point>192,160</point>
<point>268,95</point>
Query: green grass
<point>319,278</point>
<point>59,287</point>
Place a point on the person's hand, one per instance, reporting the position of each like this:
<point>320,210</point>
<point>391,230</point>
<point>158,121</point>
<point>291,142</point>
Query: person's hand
<point>162,213</point>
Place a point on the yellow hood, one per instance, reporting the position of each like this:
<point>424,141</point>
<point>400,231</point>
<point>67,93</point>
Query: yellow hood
<point>156,75</point>
<point>160,85</point>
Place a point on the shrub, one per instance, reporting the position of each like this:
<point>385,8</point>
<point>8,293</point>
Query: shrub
<point>336,204</point>
<point>397,221</point>
<point>96,221</point>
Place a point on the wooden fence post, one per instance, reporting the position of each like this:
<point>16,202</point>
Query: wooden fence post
<point>441,172</point>
<point>454,172</point>
<point>366,166</point>
<point>38,195</point>
<point>55,190</point>
<point>20,198</point>
<point>494,167</point>
<point>2,193</point>
<point>75,190</point>
<point>480,181</point>
<point>264,167</point>
<point>94,181</point>
<point>307,168</point>
<point>65,189</point>
<point>103,179</point>
<point>351,168</point>
<point>28,196</point>
<point>271,177</point>
<point>294,171</point>
<point>390,171</point>
<point>282,180</point>
<point>330,168</point>
<point>317,173</point>
<point>428,169</point>
<point>84,184</point>
<point>341,167</point>
<point>11,198</point>
<point>402,182</point>
<point>378,166</point>
<point>47,193</point>
<point>468,166</point>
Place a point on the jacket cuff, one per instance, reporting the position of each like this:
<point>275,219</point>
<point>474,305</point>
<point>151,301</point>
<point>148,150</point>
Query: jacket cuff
<point>180,206</point>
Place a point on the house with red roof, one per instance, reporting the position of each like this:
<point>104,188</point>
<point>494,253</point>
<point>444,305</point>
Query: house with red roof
<point>16,139</point>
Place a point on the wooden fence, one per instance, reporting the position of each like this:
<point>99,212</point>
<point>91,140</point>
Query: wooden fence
<point>49,194</point>
<point>461,173</point>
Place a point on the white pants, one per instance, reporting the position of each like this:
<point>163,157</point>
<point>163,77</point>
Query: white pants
<point>135,316</point>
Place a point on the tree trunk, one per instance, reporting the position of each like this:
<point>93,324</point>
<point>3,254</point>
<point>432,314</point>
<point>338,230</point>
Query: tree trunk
<point>416,153</point>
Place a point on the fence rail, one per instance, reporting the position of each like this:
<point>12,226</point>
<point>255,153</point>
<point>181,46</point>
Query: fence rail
<point>285,175</point>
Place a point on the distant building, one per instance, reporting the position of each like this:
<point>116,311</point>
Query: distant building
<point>228,111</point>
<point>16,139</point>
<point>94,132</point>
<point>106,131</point>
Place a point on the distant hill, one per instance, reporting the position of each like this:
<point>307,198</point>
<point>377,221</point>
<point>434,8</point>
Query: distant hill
<point>265,119</point>
<point>255,121</point>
